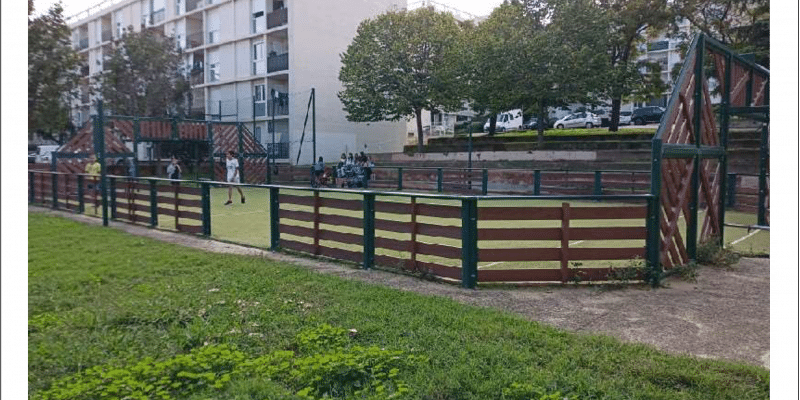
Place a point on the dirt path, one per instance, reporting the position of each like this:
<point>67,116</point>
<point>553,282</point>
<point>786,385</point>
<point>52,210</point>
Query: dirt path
<point>723,315</point>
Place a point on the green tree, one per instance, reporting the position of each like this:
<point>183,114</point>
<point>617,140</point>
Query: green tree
<point>143,76</point>
<point>52,72</point>
<point>401,63</point>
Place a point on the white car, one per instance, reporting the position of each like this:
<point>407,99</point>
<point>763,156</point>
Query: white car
<point>578,120</point>
<point>625,117</point>
<point>506,121</point>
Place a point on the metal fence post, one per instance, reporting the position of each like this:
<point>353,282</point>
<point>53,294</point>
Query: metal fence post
<point>731,200</point>
<point>81,200</point>
<point>32,186</point>
<point>653,216</point>
<point>153,203</point>
<point>206,196</point>
<point>469,242</point>
<point>439,178</point>
<point>537,182</point>
<point>485,182</point>
<point>598,183</point>
<point>691,219</point>
<point>369,229</point>
<point>55,190</point>
<point>400,178</point>
<point>112,184</point>
<point>274,219</point>
<point>762,177</point>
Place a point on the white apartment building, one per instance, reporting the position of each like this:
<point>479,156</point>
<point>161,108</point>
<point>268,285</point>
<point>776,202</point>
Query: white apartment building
<point>243,54</point>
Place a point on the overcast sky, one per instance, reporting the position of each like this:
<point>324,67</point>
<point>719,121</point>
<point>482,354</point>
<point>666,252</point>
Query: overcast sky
<point>475,7</point>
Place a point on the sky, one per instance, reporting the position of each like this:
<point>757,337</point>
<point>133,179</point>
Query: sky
<point>475,7</point>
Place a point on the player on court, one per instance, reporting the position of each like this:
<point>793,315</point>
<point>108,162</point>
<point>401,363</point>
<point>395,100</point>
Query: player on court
<point>232,165</point>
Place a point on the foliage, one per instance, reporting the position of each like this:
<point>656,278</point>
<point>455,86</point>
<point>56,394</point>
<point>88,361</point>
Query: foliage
<point>526,391</point>
<point>400,63</point>
<point>143,76</point>
<point>711,252</point>
<point>52,72</point>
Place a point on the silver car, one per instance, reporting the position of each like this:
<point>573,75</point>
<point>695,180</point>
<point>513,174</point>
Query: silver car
<point>578,120</point>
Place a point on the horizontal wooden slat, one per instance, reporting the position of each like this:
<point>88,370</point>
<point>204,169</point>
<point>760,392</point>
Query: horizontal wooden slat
<point>191,190</point>
<point>341,237</point>
<point>441,211</point>
<point>392,244</point>
<point>392,208</point>
<point>137,218</point>
<point>341,204</point>
<point>340,220</point>
<point>190,228</point>
<point>340,254</point>
<point>392,226</point>
<point>622,253</point>
<point>631,212</point>
<point>392,262</point>
<point>183,214</point>
<point>452,232</point>
<point>440,270</point>
<point>123,205</point>
<point>296,230</point>
<point>608,233</point>
<point>519,234</point>
<point>519,275</point>
<point>530,254</point>
<point>296,215</point>
<point>518,213</point>
<point>298,246</point>
<point>284,198</point>
<point>438,250</point>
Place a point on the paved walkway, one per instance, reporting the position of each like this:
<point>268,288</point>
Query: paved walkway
<point>723,315</point>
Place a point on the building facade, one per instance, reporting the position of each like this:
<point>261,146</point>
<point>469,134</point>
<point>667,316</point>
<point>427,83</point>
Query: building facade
<point>256,62</point>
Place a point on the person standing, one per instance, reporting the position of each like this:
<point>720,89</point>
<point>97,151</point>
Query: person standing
<point>174,169</point>
<point>232,166</point>
<point>93,170</point>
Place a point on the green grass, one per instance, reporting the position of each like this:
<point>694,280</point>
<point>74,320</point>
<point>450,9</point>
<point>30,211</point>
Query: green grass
<point>100,297</point>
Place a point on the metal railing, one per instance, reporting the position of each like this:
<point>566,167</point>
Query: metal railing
<point>277,18</point>
<point>281,107</point>
<point>194,40</point>
<point>278,62</point>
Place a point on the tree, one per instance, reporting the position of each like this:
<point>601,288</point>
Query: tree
<point>143,76</point>
<point>52,72</point>
<point>400,63</point>
<point>742,25</point>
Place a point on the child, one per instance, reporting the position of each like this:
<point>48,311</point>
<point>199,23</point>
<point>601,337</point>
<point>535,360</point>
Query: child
<point>232,166</point>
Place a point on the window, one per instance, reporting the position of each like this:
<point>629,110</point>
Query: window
<point>257,134</point>
<point>213,72</point>
<point>260,100</point>
<point>259,61</point>
<point>259,22</point>
<point>213,37</point>
<point>213,29</point>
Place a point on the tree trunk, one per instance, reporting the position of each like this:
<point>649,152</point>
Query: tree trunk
<point>613,124</point>
<point>540,124</point>
<point>418,114</point>
<point>492,124</point>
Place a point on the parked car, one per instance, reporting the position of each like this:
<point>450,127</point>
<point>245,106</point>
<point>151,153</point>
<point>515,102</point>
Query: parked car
<point>578,120</point>
<point>644,115</point>
<point>533,124</point>
<point>506,121</point>
<point>625,117</point>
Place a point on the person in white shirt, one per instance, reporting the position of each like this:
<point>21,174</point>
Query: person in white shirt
<point>232,166</point>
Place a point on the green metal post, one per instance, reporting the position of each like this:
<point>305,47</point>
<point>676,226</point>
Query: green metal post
<point>314,124</point>
<point>537,182</point>
<point>400,178</point>
<point>762,177</point>
<point>654,216</point>
<point>598,183</point>
<point>206,193</point>
<point>469,242</point>
<point>274,219</point>
<point>439,178</point>
<point>691,219</point>
<point>136,138</point>
<point>210,129</point>
<point>101,152</point>
<point>485,182</point>
<point>153,203</point>
<point>112,184</point>
<point>369,229</point>
<point>32,187</point>
<point>724,129</point>
<point>81,200</point>
<point>54,190</point>
<point>239,127</point>
<point>731,188</point>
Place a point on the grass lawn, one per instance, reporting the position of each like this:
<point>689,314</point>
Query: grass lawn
<point>112,314</point>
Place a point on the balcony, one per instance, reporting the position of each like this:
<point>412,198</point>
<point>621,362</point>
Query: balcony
<point>277,18</point>
<point>259,109</point>
<point>281,150</point>
<point>192,5</point>
<point>196,76</point>
<point>158,16</point>
<point>278,62</point>
<point>280,108</point>
<point>85,71</point>
<point>105,36</point>
<point>213,37</point>
<point>194,40</point>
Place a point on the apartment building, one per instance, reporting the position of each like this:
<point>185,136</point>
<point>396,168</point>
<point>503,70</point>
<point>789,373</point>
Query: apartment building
<point>256,62</point>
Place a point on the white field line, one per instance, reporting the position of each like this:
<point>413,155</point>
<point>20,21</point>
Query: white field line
<point>237,214</point>
<point>745,237</point>
<point>578,242</point>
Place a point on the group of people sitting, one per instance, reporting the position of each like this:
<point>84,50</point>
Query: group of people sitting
<point>351,171</point>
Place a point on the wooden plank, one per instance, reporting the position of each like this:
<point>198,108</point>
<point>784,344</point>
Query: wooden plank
<point>518,213</point>
<point>439,270</point>
<point>519,234</point>
<point>125,206</point>
<point>354,205</point>
<point>296,215</point>
<point>196,229</point>
<point>392,226</point>
<point>194,191</point>
<point>340,254</point>
<point>606,254</point>
<point>296,230</point>
<point>297,246</point>
<point>608,233</point>
<point>284,198</point>
<point>439,250</point>
<point>520,275</point>
<point>391,207</point>
<point>190,215</point>
<point>340,220</point>
<point>393,262</point>
<point>445,231</point>
<point>440,211</point>
<point>391,244</point>
<point>516,255</point>
<point>341,237</point>
<point>629,212</point>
